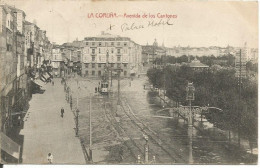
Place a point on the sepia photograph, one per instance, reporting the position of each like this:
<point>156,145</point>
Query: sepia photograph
<point>128,82</point>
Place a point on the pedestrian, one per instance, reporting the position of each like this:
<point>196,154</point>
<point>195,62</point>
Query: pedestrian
<point>71,103</point>
<point>19,121</point>
<point>50,158</point>
<point>52,83</point>
<point>62,112</point>
<point>121,154</point>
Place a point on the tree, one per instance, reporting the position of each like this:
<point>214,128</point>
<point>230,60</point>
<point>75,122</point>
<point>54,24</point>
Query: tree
<point>216,86</point>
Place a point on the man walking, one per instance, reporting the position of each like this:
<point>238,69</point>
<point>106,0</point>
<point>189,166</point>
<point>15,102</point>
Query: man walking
<point>50,158</point>
<point>62,112</point>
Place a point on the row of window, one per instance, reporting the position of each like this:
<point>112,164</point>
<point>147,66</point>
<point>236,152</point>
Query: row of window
<point>118,58</point>
<point>93,73</point>
<point>93,65</point>
<point>100,43</point>
<point>103,51</point>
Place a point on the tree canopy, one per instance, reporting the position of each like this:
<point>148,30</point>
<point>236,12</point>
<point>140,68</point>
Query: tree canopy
<point>216,86</point>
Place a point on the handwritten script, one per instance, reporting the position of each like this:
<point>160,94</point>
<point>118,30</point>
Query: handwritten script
<point>152,23</point>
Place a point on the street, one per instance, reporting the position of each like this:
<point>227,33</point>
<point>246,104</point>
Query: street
<point>117,132</point>
<point>46,132</point>
<point>123,128</point>
<point>149,83</point>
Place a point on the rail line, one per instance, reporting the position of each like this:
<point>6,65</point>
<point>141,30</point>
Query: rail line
<point>122,133</point>
<point>151,134</point>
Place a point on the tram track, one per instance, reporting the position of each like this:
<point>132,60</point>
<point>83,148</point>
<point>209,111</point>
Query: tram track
<point>129,142</point>
<point>156,140</point>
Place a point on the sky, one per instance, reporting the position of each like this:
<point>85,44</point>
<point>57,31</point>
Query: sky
<point>198,24</point>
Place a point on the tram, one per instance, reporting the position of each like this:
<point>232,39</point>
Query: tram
<point>103,87</point>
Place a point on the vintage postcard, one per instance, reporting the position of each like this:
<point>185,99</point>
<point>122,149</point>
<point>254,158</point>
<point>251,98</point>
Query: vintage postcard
<point>129,82</point>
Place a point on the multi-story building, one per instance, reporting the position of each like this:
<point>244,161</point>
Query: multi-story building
<point>57,61</point>
<point>32,33</point>
<point>254,55</point>
<point>21,79</point>
<point>151,52</point>
<point>48,50</point>
<point>72,56</point>
<point>13,80</point>
<point>19,49</point>
<point>5,88</point>
<point>116,51</point>
<point>9,65</point>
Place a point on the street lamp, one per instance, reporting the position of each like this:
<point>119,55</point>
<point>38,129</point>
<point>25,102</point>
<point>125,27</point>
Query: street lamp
<point>108,69</point>
<point>90,129</point>
<point>77,122</point>
<point>190,97</point>
<point>71,102</point>
<point>146,149</point>
<point>67,94</point>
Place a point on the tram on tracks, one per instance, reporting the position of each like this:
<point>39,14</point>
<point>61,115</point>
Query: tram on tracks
<point>103,87</point>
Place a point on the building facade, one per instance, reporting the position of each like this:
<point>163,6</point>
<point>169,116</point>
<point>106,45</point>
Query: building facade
<point>115,51</point>
<point>19,48</point>
<point>56,61</point>
<point>8,66</point>
<point>152,52</point>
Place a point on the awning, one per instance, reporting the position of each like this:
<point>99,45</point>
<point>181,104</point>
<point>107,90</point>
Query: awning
<point>39,82</point>
<point>9,146</point>
<point>44,77</point>
<point>132,71</point>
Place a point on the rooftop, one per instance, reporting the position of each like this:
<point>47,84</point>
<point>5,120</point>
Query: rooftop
<point>197,64</point>
<point>15,9</point>
<point>151,49</point>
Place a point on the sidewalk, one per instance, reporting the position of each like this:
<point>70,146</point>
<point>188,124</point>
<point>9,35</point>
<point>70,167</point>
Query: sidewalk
<point>45,131</point>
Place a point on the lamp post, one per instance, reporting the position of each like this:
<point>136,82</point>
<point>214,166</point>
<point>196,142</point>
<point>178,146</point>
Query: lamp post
<point>146,150</point>
<point>77,109</point>
<point>90,130</point>
<point>146,153</point>
<point>190,97</point>
<point>71,101</point>
<point>118,86</point>
<point>77,122</point>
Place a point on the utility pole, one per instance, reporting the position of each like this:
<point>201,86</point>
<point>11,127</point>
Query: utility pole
<point>190,96</point>
<point>111,77</point>
<point>153,57</point>
<point>107,69</point>
<point>118,88</point>
<point>77,92</point>
<point>146,153</point>
<point>77,122</point>
<point>118,84</point>
<point>90,131</point>
<point>240,83</point>
<point>146,150</point>
<point>240,72</point>
<point>77,110</point>
<point>164,76</point>
<point>71,101</point>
